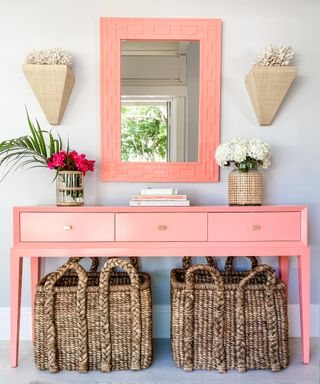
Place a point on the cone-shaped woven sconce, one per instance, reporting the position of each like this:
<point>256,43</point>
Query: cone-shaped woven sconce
<point>267,87</point>
<point>52,85</point>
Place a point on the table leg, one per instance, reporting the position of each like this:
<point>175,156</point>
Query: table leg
<point>35,277</point>
<point>304,294</point>
<point>283,262</point>
<point>16,265</point>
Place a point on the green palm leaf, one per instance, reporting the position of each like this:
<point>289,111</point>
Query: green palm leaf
<point>33,149</point>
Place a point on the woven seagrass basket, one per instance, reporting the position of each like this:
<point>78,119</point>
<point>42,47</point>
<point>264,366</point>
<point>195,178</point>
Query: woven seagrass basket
<point>229,320</point>
<point>244,188</point>
<point>93,321</point>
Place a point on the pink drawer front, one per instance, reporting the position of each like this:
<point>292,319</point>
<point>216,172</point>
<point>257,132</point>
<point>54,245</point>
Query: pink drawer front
<point>55,227</point>
<point>161,227</point>
<point>260,226</point>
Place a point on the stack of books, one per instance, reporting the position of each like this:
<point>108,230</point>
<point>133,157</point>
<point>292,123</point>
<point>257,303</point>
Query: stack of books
<point>160,197</point>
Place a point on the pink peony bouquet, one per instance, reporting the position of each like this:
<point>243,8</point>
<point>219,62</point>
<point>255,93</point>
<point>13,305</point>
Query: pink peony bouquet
<point>70,161</point>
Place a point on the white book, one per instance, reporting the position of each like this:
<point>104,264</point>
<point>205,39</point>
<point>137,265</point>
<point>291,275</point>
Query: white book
<point>159,197</point>
<point>159,191</point>
<point>159,203</point>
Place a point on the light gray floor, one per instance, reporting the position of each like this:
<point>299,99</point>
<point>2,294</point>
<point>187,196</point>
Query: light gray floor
<point>162,371</point>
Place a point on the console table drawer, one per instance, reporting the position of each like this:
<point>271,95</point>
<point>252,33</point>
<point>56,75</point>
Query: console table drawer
<point>55,227</point>
<point>161,227</point>
<point>260,226</point>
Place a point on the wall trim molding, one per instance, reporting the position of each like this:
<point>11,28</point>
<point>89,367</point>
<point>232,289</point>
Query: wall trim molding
<point>161,318</point>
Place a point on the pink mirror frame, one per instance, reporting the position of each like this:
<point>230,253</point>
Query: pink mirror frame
<point>208,33</point>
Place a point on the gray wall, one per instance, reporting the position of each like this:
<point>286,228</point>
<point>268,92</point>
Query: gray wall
<point>247,27</point>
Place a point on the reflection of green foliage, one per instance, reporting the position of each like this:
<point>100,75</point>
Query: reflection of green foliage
<point>143,133</point>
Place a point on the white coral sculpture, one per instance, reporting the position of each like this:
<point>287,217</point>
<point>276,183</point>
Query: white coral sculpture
<point>49,56</point>
<point>275,56</point>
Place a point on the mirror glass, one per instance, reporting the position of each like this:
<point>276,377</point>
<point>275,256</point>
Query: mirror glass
<point>159,101</point>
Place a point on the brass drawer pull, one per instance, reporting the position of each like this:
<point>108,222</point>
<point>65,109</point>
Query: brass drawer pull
<point>67,227</point>
<point>162,227</point>
<point>256,227</point>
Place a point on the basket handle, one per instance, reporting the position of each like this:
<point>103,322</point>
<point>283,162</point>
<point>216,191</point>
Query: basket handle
<point>104,307</point>
<point>94,262</point>
<point>271,317</point>
<point>269,272</point>
<point>186,262</point>
<point>218,310</point>
<point>133,260</point>
<point>228,266</point>
<point>81,298</point>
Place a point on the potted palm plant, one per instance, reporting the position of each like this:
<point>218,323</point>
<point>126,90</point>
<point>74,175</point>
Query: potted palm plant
<point>42,148</point>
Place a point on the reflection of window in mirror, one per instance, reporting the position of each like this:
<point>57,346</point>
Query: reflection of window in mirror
<point>159,101</point>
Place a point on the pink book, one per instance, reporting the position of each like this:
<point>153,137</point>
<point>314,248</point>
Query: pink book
<point>159,197</point>
<point>159,203</point>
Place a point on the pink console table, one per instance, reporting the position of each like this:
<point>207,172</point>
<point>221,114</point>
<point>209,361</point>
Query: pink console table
<point>167,231</point>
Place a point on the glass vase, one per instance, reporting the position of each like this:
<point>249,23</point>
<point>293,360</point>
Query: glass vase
<point>70,188</point>
<point>245,188</point>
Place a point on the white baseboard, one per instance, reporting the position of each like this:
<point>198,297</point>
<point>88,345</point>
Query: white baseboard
<point>161,321</point>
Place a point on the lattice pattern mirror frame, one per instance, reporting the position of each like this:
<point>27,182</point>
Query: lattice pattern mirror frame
<point>208,33</point>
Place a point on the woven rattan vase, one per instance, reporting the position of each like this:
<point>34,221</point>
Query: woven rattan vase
<point>70,188</point>
<point>245,188</point>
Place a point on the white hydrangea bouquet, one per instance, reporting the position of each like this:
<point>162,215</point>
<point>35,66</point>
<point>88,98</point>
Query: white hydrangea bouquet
<point>245,154</point>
